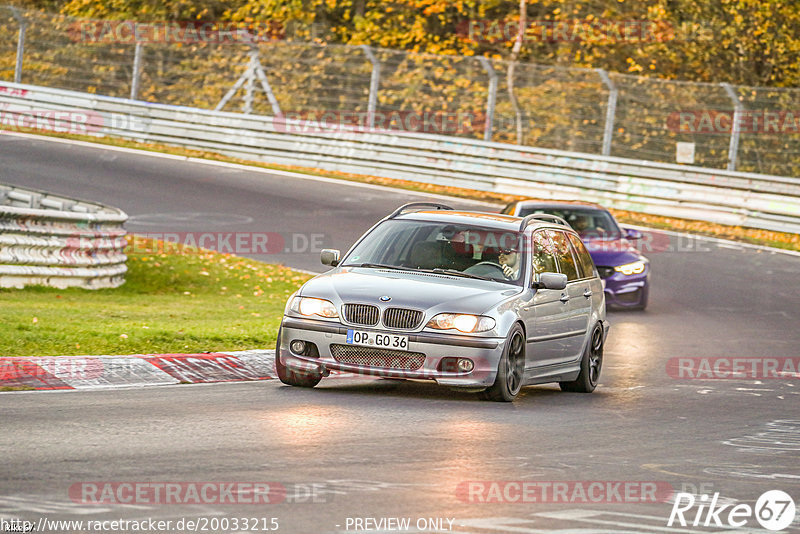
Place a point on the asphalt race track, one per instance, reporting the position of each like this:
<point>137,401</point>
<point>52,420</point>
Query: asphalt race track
<point>362,448</point>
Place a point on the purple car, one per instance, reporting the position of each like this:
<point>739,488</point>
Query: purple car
<point>625,272</point>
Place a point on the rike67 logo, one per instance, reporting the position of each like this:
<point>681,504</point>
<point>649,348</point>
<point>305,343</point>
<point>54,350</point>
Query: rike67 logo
<point>774,510</point>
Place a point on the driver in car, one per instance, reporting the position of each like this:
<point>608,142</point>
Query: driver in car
<point>580,223</point>
<point>509,260</point>
<point>583,225</point>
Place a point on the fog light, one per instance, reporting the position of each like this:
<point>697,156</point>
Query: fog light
<point>297,346</point>
<point>465,365</point>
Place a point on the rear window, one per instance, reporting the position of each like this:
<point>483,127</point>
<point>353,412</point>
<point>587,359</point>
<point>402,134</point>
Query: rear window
<point>543,257</point>
<point>585,263</point>
<point>563,253</point>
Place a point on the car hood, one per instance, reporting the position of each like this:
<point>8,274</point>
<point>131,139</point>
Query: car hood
<point>611,252</point>
<point>408,289</point>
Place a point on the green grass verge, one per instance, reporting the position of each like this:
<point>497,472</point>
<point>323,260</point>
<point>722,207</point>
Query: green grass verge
<point>189,300</point>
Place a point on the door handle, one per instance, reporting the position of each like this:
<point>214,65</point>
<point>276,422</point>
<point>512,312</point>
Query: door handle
<point>564,298</point>
<point>587,293</point>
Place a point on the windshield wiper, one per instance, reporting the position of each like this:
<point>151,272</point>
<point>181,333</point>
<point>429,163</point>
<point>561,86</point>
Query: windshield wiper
<point>451,272</point>
<point>454,272</point>
<point>380,266</point>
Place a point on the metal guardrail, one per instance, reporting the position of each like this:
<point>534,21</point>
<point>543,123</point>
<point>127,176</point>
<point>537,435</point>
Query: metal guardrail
<point>726,197</point>
<point>60,242</point>
<point>298,69</point>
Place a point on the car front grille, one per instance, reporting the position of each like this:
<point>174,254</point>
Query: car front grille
<point>632,297</point>
<point>605,272</point>
<point>383,358</point>
<point>402,319</point>
<point>365,314</point>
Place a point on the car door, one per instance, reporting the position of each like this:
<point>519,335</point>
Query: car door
<point>587,284</point>
<point>546,315</point>
<point>577,303</point>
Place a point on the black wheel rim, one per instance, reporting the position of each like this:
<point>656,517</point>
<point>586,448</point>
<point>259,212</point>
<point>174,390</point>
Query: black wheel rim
<point>596,356</point>
<point>515,363</point>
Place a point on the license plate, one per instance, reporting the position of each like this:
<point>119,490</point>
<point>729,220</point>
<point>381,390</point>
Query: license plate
<point>377,339</point>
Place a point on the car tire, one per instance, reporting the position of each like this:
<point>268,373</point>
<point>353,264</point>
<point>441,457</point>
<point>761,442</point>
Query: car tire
<point>290,376</point>
<point>591,364</point>
<point>510,369</point>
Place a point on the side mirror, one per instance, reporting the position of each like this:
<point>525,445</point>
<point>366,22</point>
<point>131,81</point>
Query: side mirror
<point>630,233</point>
<point>329,256</point>
<point>552,281</point>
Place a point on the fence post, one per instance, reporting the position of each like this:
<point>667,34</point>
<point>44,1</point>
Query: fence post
<point>273,102</point>
<point>611,111</point>
<point>374,82</point>
<point>137,66</point>
<point>254,71</point>
<point>250,82</point>
<point>733,146</point>
<point>230,93</point>
<point>20,44</point>
<point>491,99</point>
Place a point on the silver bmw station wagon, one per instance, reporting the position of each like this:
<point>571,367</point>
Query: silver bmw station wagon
<point>478,301</point>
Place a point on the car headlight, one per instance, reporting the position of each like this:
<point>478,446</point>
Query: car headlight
<point>628,269</point>
<point>289,303</point>
<point>310,306</point>
<point>461,322</point>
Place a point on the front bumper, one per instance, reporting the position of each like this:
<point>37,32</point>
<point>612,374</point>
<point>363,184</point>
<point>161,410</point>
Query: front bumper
<point>484,352</point>
<point>627,291</point>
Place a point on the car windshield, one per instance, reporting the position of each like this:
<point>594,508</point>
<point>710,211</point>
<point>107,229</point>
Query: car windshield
<point>590,223</point>
<point>454,249</point>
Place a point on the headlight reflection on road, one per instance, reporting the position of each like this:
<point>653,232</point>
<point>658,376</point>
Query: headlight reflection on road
<point>462,456</point>
<point>630,358</point>
<point>310,424</point>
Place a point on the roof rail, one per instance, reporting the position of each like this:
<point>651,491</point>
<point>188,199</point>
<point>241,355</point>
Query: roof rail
<point>542,217</point>
<point>412,205</point>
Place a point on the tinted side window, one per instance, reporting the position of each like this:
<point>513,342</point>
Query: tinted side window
<point>508,210</point>
<point>564,254</point>
<point>544,260</point>
<point>585,263</point>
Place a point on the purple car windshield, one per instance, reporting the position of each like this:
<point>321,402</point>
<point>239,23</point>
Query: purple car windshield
<point>590,223</point>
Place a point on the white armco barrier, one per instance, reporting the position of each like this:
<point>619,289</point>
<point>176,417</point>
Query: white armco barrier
<point>714,195</point>
<point>60,242</point>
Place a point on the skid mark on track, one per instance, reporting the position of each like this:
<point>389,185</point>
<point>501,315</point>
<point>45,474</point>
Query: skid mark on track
<point>780,436</point>
<point>790,474</point>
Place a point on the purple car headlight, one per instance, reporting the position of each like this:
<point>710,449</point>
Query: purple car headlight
<point>629,269</point>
